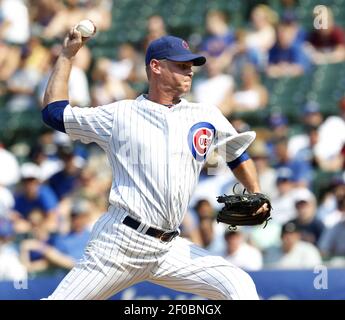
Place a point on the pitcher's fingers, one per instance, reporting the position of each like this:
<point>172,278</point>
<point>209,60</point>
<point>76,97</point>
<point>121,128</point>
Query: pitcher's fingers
<point>74,33</point>
<point>262,209</point>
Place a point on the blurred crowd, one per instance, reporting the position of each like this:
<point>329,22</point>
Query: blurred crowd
<point>51,196</point>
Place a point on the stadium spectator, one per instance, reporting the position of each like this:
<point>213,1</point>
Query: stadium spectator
<point>30,248</point>
<point>78,84</point>
<point>43,154</point>
<point>35,195</point>
<point>111,77</point>
<point>240,253</point>
<point>287,58</point>
<point>307,154</point>
<point>262,37</point>
<point>9,176</point>
<point>72,12</point>
<point>278,128</point>
<point>21,86</point>
<point>264,238</point>
<point>284,202</point>
<point>94,182</point>
<point>98,11</point>
<point>310,227</point>
<point>293,252</point>
<point>327,44</point>
<point>285,7</point>
<point>311,118</point>
<point>250,96</point>
<point>190,228</point>
<point>155,29</point>
<point>15,33</point>
<point>333,193</point>
<point>220,39</point>
<point>214,87</point>
<point>11,269</point>
<point>129,65</point>
<point>267,175</point>
<point>41,13</point>
<point>67,249</point>
<point>6,201</point>
<point>212,233</point>
<point>291,18</point>
<point>332,242</point>
<point>65,182</point>
<point>301,168</point>
<point>9,170</point>
<point>329,155</point>
<point>239,123</point>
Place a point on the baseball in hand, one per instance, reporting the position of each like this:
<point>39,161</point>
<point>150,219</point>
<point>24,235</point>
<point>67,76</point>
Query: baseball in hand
<point>86,28</point>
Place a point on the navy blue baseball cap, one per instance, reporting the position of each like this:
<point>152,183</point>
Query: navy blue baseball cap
<point>174,49</point>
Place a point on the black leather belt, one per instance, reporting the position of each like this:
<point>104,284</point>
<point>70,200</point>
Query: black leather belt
<point>161,235</point>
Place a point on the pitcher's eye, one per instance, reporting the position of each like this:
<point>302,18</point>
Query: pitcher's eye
<point>185,66</point>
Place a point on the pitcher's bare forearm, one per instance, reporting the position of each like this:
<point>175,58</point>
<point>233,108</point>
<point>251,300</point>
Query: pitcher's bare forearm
<point>57,88</point>
<point>246,173</point>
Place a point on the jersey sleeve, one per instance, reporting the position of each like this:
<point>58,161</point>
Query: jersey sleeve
<point>90,124</point>
<point>228,142</point>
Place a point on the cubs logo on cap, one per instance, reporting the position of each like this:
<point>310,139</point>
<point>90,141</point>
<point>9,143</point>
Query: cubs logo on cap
<point>200,137</point>
<point>173,49</point>
<point>185,44</point>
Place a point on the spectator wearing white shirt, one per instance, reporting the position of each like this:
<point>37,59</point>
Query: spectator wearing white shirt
<point>240,253</point>
<point>214,88</point>
<point>284,202</point>
<point>329,155</point>
<point>78,86</point>
<point>16,13</point>
<point>15,34</point>
<point>251,95</point>
<point>293,252</point>
<point>11,269</point>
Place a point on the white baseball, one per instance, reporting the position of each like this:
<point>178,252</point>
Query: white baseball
<point>86,28</point>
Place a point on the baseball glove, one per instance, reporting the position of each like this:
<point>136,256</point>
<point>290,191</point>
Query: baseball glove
<point>240,209</point>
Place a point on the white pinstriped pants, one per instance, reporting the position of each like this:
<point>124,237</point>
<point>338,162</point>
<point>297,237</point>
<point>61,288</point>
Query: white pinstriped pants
<point>118,257</point>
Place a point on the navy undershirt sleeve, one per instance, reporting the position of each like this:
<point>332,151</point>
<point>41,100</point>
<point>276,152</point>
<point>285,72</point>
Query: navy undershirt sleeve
<point>243,157</point>
<point>52,115</point>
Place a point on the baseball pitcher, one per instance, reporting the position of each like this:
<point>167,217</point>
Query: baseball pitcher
<point>157,145</point>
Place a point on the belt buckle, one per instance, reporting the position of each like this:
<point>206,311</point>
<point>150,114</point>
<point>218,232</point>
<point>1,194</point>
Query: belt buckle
<point>168,236</point>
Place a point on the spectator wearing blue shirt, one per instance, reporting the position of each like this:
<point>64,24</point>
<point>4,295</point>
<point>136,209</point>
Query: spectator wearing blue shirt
<point>30,248</point>
<point>302,169</point>
<point>310,226</point>
<point>35,195</point>
<point>64,182</point>
<point>219,37</point>
<point>291,18</point>
<point>287,58</point>
<point>69,248</point>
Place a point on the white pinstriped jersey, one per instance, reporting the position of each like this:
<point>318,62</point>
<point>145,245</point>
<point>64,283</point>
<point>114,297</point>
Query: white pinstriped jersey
<point>156,153</point>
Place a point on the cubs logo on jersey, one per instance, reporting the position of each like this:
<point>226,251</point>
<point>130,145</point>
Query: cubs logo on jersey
<point>200,137</point>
